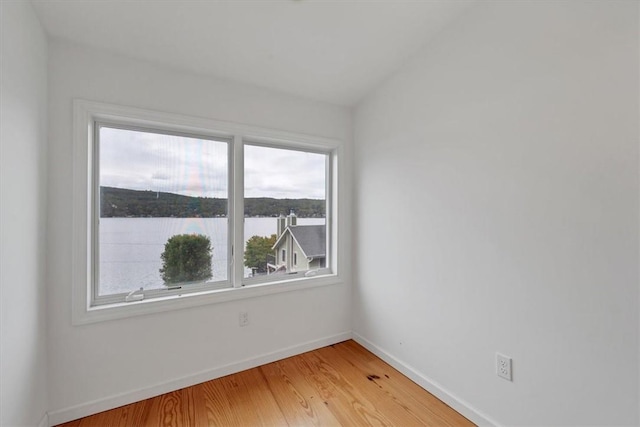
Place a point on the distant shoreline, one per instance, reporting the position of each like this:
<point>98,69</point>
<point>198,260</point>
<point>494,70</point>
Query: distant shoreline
<point>127,203</point>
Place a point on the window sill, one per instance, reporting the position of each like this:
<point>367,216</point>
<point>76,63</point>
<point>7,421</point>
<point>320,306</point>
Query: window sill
<point>176,302</point>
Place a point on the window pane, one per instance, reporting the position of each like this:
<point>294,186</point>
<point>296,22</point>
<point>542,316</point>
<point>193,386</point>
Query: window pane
<point>285,204</point>
<point>152,187</point>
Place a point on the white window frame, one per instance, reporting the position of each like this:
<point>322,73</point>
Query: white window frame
<point>88,113</point>
<point>288,252</point>
<point>137,294</point>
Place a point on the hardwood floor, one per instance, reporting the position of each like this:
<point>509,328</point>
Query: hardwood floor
<point>340,385</point>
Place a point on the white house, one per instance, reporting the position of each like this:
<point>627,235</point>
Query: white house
<point>298,247</point>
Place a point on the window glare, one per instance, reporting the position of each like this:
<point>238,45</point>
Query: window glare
<point>156,162</point>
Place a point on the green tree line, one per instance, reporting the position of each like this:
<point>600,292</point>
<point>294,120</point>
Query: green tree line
<point>123,203</point>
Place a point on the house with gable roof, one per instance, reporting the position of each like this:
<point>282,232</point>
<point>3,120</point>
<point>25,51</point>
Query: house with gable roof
<point>298,247</point>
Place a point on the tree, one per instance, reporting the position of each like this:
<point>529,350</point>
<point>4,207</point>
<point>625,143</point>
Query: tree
<point>186,258</point>
<point>255,254</point>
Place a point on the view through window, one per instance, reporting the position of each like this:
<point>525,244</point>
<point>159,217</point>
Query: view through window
<point>162,199</point>
<point>285,205</point>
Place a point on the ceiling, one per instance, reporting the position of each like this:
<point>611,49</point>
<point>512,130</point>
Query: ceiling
<point>327,50</point>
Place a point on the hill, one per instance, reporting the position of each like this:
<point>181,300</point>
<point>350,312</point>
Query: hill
<point>122,202</point>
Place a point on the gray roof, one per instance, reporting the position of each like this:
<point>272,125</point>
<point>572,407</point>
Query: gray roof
<point>311,238</point>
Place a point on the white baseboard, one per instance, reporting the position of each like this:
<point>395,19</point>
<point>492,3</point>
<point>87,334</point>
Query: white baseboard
<point>426,383</point>
<point>44,422</point>
<point>104,404</point>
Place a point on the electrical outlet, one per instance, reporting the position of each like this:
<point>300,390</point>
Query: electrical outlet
<point>503,367</point>
<point>243,318</point>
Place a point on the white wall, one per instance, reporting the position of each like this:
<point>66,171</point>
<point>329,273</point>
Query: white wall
<point>96,363</point>
<point>23,137</point>
<point>497,210</point>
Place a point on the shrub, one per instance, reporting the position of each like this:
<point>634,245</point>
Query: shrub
<point>186,258</point>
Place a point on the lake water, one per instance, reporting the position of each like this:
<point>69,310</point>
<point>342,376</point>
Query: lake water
<point>130,248</point>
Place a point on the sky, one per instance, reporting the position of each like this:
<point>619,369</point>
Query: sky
<point>194,167</point>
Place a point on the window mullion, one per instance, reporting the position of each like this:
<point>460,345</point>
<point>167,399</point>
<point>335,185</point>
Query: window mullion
<point>237,212</point>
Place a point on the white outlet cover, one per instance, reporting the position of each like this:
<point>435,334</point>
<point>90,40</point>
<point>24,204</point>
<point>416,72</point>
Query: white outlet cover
<point>243,318</point>
<point>503,367</point>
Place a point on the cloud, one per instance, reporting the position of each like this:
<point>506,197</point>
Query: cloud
<point>281,173</point>
<point>160,175</point>
<point>194,167</point>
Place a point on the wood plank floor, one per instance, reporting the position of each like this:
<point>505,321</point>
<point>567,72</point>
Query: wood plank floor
<point>340,385</point>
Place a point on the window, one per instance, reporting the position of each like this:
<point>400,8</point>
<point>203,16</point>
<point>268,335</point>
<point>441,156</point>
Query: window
<point>174,207</point>
<point>152,186</point>
<point>285,191</point>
